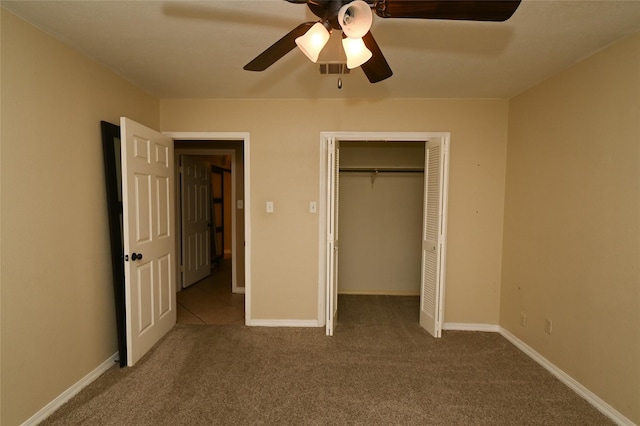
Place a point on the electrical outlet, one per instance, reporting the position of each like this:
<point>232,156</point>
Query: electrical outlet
<point>548,326</point>
<point>523,319</point>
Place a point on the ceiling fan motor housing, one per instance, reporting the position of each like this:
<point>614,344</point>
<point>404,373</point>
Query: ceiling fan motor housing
<point>328,10</point>
<point>333,68</point>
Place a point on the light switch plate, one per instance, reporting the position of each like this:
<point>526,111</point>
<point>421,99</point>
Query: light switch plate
<point>313,207</point>
<point>269,206</point>
<point>240,204</point>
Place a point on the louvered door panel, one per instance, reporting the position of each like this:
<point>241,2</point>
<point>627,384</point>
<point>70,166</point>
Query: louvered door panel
<point>432,238</point>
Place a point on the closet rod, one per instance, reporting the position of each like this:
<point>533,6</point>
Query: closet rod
<point>382,170</point>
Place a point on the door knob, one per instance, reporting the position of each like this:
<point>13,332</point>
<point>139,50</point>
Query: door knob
<point>136,256</point>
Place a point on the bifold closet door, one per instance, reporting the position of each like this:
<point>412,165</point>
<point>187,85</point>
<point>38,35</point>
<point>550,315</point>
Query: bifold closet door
<point>433,236</point>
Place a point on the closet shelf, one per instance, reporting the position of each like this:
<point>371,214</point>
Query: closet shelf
<point>382,169</point>
<point>375,171</point>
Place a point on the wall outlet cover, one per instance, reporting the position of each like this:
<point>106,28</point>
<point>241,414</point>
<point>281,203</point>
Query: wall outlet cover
<point>523,319</point>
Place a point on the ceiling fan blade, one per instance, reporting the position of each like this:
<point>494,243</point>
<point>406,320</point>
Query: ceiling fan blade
<point>376,69</point>
<point>278,49</point>
<point>468,10</point>
<point>297,1</point>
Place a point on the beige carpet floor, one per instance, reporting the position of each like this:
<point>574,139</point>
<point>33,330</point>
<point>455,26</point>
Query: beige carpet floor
<point>380,368</point>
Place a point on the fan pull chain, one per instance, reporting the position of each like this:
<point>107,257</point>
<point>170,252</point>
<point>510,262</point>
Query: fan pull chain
<point>341,54</point>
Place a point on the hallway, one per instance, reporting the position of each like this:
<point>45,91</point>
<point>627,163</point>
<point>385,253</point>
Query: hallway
<point>210,301</point>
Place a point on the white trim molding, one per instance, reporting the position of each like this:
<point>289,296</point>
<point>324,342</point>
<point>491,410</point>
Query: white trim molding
<point>461,326</point>
<point>585,393</point>
<point>245,137</point>
<point>65,396</point>
<point>284,323</point>
<point>323,293</point>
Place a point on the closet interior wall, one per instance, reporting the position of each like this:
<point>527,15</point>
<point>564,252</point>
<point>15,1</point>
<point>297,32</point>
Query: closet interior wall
<point>381,190</point>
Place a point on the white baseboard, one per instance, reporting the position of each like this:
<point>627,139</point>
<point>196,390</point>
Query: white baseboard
<point>284,323</point>
<point>460,326</point>
<point>585,393</point>
<point>47,410</point>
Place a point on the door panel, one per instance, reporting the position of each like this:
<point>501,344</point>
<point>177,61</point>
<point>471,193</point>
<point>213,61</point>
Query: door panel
<point>149,236</point>
<point>433,236</point>
<point>164,285</point>
<point>143,293</point>
<point>196,220</point>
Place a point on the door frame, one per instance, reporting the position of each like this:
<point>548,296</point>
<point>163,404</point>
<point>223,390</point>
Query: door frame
<point>243,137</point>
<point>323,193</point>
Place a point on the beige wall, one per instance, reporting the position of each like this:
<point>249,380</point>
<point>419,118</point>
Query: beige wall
<point>58,315</point>
<point>572,218</point>
<point>239,255</point>
<point>285,159</point>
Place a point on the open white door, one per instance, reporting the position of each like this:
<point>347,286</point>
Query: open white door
<point>433,235</point>
<point>333,167</point>
<point>196,219</point>
<point>149,236</point>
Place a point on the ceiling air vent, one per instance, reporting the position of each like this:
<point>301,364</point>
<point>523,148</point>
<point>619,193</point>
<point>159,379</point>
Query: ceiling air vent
<point>334,68</point>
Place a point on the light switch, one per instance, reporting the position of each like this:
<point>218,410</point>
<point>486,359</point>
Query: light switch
<point>240,204</point>
<point>313,207</point>
<point>269,206</point>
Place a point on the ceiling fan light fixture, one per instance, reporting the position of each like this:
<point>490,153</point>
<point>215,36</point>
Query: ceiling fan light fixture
<point>313,41</point>
<point>355,18</point>
<point>356,51</point>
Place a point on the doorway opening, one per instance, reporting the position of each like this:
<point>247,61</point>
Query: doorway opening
<point>388,178</point>
<point>221,294</point>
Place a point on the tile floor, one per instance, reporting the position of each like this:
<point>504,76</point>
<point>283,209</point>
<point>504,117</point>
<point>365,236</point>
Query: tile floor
<point>210,301</point>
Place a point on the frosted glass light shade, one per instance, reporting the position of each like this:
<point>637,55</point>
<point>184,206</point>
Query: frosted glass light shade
<point>356,51</point>
<point>355,19</point>
<point>313,41</point>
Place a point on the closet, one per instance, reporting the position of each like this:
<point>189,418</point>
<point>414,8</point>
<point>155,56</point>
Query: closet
<point>381,212</point>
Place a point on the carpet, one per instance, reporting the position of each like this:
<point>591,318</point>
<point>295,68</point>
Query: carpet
<point>380,368</point>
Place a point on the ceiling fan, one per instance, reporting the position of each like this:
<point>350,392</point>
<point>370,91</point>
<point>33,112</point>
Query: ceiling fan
<point>354,18</point>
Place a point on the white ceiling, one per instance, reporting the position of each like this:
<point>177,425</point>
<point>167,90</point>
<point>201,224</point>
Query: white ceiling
<point>187,49</point>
